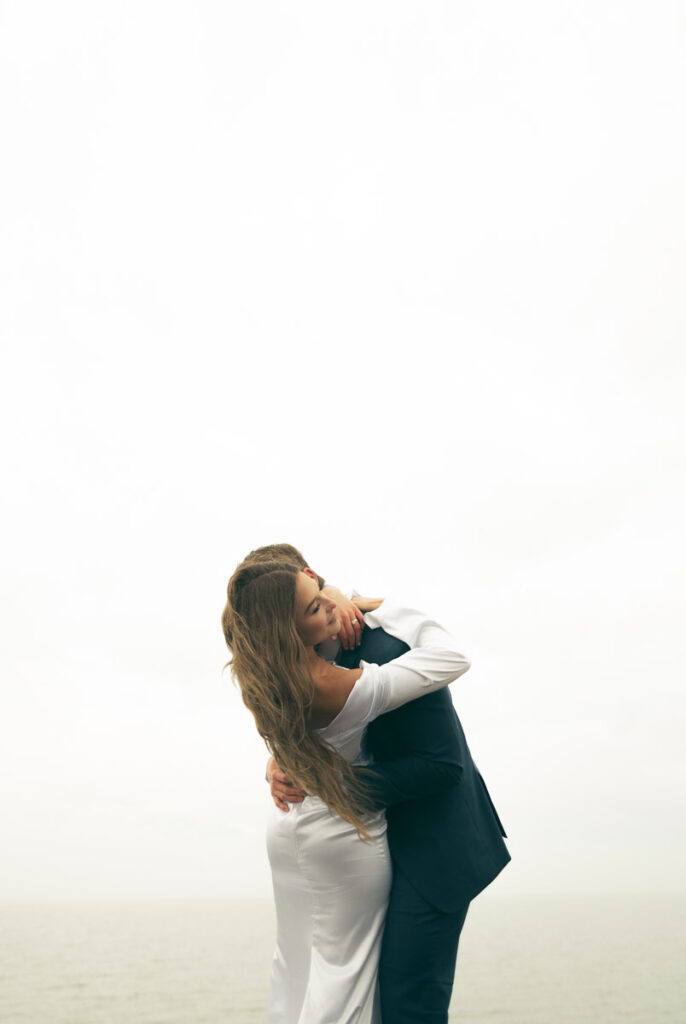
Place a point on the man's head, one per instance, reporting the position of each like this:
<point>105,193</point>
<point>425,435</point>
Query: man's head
<point>280,553</point>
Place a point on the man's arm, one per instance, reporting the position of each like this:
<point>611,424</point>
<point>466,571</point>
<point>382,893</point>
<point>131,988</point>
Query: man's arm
<point>282,789</point>
<point>416,748</point>
<point>425,736</point>
<point>410,777</point>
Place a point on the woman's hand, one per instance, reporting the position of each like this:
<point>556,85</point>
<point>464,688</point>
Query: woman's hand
<point>351,621</point>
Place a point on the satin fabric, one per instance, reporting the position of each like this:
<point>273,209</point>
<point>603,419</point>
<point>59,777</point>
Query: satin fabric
<point>331,892</point>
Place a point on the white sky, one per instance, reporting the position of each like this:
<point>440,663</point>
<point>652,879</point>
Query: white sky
<point>401,284</point>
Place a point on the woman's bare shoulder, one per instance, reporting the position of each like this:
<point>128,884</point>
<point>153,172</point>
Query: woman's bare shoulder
<point>332,687</point>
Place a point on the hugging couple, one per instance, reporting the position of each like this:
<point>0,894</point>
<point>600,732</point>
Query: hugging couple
<point>383,830</point>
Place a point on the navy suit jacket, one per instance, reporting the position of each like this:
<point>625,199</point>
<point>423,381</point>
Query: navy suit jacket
<point>443,830</point>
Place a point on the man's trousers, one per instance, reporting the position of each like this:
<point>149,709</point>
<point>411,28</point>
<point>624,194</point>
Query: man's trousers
<point>418,957</point>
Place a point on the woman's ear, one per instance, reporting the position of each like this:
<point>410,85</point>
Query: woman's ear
<point>312,574</point>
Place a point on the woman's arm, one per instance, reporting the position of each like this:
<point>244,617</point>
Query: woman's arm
<point>368,604</point>
<point>433,661</point>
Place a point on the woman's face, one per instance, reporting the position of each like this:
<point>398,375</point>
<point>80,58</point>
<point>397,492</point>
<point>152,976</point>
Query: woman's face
<point>316,616</point>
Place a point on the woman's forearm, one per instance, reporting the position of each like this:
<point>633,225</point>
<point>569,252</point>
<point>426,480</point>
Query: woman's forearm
<point>368,604</point>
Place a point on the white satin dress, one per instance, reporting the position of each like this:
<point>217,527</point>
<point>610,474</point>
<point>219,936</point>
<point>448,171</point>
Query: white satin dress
<point>331,888</point>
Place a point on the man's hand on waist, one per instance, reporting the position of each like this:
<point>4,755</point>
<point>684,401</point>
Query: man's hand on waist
<point>282,789</point>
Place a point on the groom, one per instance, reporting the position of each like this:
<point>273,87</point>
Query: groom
<point>444,835</point>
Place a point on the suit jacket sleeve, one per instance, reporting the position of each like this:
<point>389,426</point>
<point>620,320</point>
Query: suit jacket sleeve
<point>424,732</point>
<point>413,746</point>
<point>409,777</point>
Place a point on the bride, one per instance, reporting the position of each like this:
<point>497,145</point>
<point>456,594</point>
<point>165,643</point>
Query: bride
<point>329,857</point>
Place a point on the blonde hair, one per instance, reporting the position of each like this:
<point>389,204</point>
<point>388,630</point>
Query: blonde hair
<point>271,666</point>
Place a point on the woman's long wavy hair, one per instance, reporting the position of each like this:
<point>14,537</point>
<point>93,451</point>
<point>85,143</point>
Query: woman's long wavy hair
<point>271,666</point>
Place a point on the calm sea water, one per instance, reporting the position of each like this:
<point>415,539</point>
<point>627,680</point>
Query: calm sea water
<point>523,960</point>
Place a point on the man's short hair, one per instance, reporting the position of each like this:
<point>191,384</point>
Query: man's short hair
<point>280,553</point>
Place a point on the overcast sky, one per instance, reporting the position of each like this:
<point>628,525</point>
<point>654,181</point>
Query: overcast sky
<point>401,284</point>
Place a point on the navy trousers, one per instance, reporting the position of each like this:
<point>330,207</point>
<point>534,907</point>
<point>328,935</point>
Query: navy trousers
<point>418,957</point>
